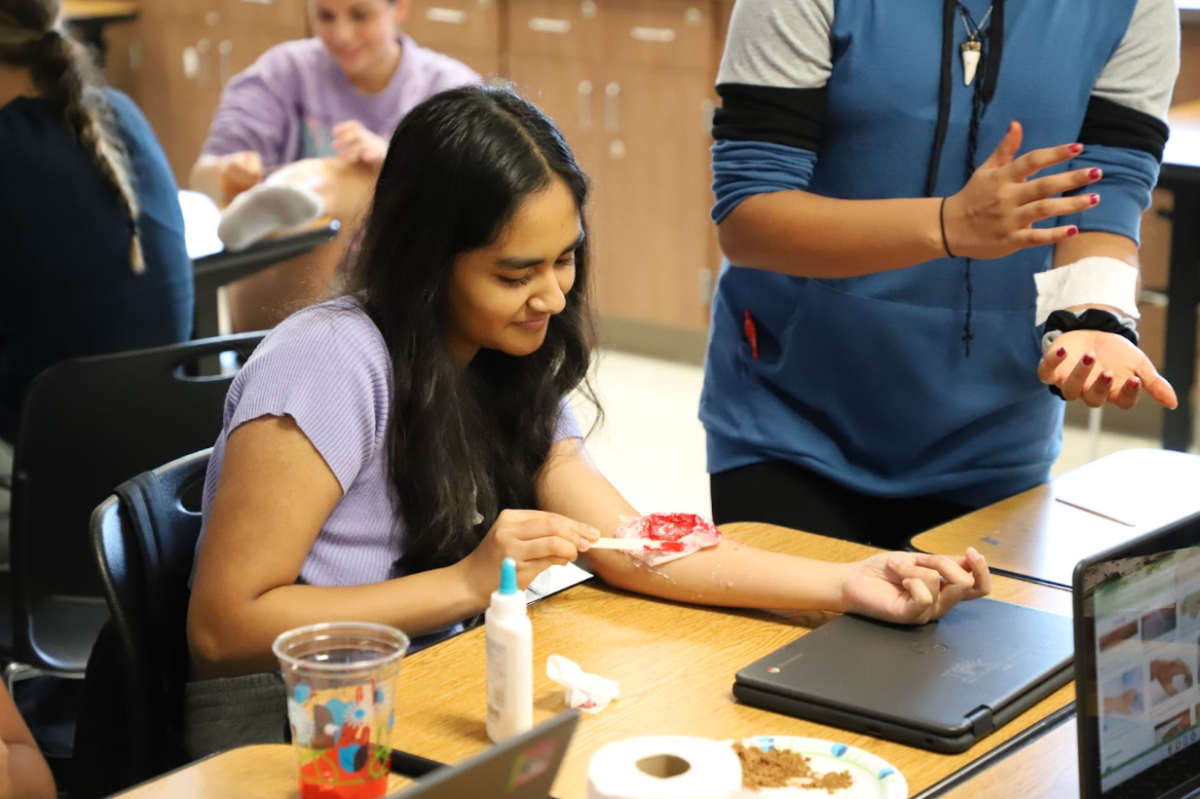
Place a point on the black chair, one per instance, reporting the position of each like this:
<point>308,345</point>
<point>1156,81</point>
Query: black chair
<point>131,717</point>
<point>87,425</point>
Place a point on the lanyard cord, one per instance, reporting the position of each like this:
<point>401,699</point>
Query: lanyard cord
<point>985,89</point>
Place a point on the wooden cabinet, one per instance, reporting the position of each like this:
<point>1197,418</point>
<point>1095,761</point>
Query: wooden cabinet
<point>123,59</point>
<point>468,30</point>
<point>629,82</point>
<point>197,49</point>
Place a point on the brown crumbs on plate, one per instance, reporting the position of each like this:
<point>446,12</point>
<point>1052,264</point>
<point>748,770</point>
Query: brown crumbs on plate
<point>781,768</point>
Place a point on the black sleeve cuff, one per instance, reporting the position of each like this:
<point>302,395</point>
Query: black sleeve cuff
<point>1114,125</point>
<point>791,117</point>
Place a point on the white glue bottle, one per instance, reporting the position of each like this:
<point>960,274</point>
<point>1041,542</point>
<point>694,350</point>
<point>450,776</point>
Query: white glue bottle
<point>509,659</point>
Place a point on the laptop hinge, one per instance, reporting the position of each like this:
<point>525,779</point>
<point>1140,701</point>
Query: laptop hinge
<point>981,721</point>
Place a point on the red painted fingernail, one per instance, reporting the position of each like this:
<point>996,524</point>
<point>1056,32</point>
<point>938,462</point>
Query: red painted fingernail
<point>1071,231</point>
<point>1133,384</point>
<point>1095,198</point>
<point>1088,360</point>
<point>1106,378</point>
<point>1076,148</point>
<point>1062,352</point>
<point>1094,174</point>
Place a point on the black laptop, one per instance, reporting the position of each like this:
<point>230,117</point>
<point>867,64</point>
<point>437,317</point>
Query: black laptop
<point>939,686</point>
<point>523,767</point>
<point>1137,613</point>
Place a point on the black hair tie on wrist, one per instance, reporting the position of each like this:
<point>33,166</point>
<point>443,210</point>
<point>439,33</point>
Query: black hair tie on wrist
<point>942,219</point>
<point>1091,319</point>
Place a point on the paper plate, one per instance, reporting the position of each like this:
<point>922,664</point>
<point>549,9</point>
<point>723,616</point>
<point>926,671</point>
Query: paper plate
<point>873,777</point>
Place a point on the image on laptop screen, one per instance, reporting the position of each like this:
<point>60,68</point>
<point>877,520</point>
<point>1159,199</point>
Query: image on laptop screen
<point>1141,690</point>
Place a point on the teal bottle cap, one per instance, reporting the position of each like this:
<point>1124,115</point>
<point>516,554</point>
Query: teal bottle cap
<point>508,576</point>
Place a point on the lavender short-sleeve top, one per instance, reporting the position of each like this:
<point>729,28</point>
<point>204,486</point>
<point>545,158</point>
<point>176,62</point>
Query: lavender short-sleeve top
<point>285,105</point>
<point>328,368</point>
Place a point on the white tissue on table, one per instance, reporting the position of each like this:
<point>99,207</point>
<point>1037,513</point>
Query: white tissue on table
<point>590,693</point>
<point>703,535</point>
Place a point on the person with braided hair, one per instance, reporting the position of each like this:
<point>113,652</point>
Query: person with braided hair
<point>930,212</point>
<point>94,258</point>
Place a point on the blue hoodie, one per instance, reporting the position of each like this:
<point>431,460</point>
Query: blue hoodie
<point>866,380</point>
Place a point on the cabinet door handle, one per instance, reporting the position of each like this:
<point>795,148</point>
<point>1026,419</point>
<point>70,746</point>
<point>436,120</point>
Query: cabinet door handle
<point>204,55</point>
<point>548,25</point>
<point>191,63</point>
<point>612,98</point>
<point>585,104</point>
<point>136,55</point>
<point>707,109</point>
<point>653,35</point>
<point>447,16</point>
<point>261,2</point>
<point>224,67</point>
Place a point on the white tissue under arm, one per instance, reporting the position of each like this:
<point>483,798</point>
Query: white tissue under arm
<point>590,693</point>
<point>1096,280</point>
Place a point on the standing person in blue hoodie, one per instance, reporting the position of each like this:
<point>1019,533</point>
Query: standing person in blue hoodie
<point>896,303</point>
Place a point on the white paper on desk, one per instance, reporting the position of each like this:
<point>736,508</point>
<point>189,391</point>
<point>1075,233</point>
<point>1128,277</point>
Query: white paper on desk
<point>200,220</point>
<point>1134,487</point>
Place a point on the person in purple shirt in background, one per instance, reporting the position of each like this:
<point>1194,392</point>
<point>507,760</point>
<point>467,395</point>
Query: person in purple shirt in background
<point>384,451</point>
<point>313,116</point>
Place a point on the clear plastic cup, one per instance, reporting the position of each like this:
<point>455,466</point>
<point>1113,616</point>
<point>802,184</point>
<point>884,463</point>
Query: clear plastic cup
<point>341,681</point>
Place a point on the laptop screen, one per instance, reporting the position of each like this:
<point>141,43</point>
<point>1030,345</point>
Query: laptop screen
<point>1138,653</point>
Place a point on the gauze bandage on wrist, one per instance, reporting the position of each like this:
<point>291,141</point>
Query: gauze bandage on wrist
<point>1097,280</point>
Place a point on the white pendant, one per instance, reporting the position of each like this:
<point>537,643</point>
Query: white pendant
<point>971,52</point>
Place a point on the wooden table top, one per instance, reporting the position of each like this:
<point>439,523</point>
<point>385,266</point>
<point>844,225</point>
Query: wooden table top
<point>267,771</point>
<point>95,10</point>
<point>1043,532</point>
<point>1045,769</point>
<point>675,664</point>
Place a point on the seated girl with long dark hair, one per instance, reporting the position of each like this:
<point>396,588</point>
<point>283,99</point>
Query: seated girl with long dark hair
<point>383,452</point>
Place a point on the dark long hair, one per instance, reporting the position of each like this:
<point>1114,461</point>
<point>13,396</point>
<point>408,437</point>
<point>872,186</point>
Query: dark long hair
<point>465,441</point>
<point>62,70</point>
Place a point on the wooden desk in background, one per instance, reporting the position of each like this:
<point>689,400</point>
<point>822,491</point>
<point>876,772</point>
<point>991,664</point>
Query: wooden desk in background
<point>1038,535</point>
<point>267,771</point>
<point>90,17</point>
<point>213,266</point>
<point>676,665</point>
<point>1181,175</point>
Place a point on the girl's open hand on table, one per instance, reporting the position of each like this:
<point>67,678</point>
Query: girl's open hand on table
<point>912,587</point>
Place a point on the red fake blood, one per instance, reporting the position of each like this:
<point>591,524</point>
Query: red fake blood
<point>324,778</point>
<point>672,527</point>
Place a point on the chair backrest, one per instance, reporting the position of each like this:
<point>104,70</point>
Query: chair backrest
<point>131,719</point>
<point>87,425</point>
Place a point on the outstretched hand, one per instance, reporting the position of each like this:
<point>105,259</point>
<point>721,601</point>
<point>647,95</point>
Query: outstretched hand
<point>994,214</point>
<point>1101,368</point>
<point>912,587</point>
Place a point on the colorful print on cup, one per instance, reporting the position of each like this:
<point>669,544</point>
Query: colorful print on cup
<point>341,681</point>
